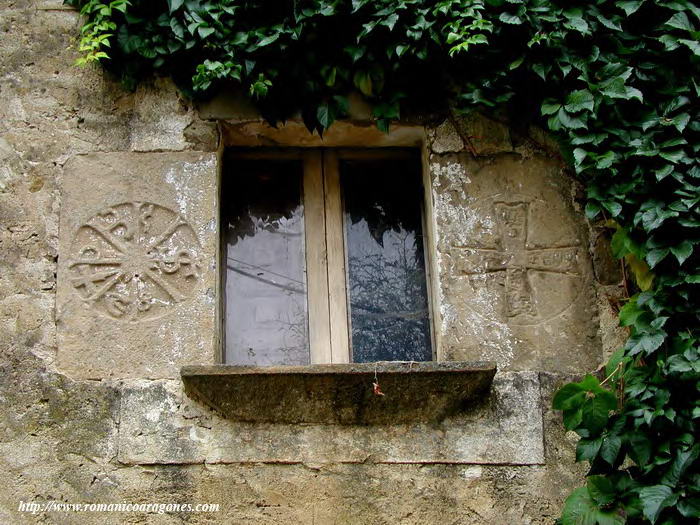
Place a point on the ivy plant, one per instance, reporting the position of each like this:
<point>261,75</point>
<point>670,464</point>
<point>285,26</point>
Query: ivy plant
<point>617,81</point>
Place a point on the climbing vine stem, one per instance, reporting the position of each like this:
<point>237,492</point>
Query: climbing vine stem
<point>615,80</point>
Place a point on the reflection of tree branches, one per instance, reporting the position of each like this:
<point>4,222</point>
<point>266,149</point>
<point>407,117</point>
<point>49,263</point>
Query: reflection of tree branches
<point>388,300</point>
<point>267,193</point>
<point>384,194</point>
<point>294,331</point>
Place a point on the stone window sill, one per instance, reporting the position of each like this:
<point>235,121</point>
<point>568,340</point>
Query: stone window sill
<point>340,393</point>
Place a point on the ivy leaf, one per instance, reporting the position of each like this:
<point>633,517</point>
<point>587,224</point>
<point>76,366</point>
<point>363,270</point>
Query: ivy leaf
<point>655,499</point>
<point>654,257</point>
<point>578,100</point>
<point>596,414</point>
<point>682,251</point>
<point>587,449</point>
<point>569,121</point>
<point>572,418</point>
<point>680,21</point>
<point>177,28</point>
<point>507,18</point>
<point>324,116</point>
<point>673,156</point>
<point>616,88</point>
<point>173,5</point>
<point>606,160</point>
<point>204,32</point>
<point>579,156</point>
<point>580,509</point>
<point>629,6</point>
<point>613,207</point>
<point>569,396</point>
<point>401,49</point>
<point>681,462</point>
<point>610,449</point>
<point>363,82</point>
<point>390,21</point>
<point>640,448</point>
<point>678,363</point>
<point>664,172</point>
<point>268,40</point>
<point>630,313</point>
<point>690,507</point>
<point>601,490</point>
<point>575,22</point>
<point>670,42</point>
<point>693,45</point>
<point>645,342</point>
<point>549,108</point>
<point>592,208</point>
<point>622,244</point>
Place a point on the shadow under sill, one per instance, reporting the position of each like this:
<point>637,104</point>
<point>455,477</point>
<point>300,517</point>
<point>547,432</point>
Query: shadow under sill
<point>408,392</point>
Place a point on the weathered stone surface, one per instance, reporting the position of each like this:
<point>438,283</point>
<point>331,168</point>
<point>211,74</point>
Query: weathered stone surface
<point>136,275</point>
<point>446,139</point>
<point>607,269</point>
<point>485,136</point>
<point>159,119</point>
<point>59,434</point>
<point>340,393</point>
<point>515,273</point>
<point>162,425</point>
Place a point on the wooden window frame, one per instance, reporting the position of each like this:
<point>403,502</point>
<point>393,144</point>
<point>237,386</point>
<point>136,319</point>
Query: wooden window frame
<point>325,244</point>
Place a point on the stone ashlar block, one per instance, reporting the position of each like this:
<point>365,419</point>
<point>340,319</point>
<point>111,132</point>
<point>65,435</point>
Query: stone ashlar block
<point>137,274</point>
<point>161,425</point>
<point>514,268</point>
<point>485,135</point>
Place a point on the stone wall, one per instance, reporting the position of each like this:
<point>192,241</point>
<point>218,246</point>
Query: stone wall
<point>92,408</point>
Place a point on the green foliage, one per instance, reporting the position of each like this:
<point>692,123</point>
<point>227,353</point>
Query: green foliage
<point>615,80</point>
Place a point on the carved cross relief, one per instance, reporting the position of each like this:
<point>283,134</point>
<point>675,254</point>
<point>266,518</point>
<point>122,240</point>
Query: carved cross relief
<point>135,260</point>
<point>515,264</point>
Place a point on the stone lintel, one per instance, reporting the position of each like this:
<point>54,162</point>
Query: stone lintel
<point>340,393</point>
<point>342,134</point>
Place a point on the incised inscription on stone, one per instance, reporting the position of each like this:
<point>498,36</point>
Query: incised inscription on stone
<point>135,261</point>
<point>525,273</point>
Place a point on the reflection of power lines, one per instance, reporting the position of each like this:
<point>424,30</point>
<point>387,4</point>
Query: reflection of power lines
<point>256,267</point>
<point>289,288</point>
<point>375,313</point>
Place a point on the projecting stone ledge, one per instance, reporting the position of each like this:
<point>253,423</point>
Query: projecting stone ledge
<point>340,393</point>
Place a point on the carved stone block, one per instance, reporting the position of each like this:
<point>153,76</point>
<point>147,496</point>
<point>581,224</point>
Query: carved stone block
<point>515,272</point>
<point>137,253</point>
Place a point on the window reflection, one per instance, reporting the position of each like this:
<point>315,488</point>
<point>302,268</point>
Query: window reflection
<point>265,291</point>
<point>387,294</point>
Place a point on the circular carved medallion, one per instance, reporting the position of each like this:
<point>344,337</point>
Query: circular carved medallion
<point>135,261</point>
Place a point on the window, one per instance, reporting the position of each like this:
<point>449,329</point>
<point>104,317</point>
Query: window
<point>325,257</point>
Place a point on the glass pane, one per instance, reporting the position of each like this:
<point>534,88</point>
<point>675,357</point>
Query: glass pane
<point>387,295</point>
<point>265,294</point>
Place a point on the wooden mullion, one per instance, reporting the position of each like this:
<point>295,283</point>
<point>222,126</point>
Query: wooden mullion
<point>316,258</point>
<point>429,252</point>
<point>335,242</point>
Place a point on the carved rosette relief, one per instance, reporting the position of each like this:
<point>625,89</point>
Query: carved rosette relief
<point>135,261</point>
<point>533,279</point>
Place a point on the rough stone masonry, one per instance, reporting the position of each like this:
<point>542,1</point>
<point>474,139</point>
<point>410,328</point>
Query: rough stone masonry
<point>108,240</point>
